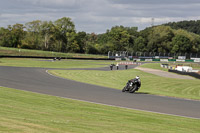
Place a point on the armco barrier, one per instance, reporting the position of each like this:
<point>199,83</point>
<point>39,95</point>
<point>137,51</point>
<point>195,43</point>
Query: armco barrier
<point>156,59</point>
<point>40,57</point>
<point>193,74</point>
<point>189,60</point>
<point>171,59</point>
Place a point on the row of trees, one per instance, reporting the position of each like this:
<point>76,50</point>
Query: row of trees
<point>158,39</point>
<point>191,26</point>
<point>61,36</point>
<point>45,35</point>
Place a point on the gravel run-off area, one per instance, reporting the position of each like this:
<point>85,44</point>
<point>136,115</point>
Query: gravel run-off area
<point>163,73</point>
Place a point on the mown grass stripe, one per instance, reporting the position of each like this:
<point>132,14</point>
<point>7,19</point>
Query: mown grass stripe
<point>67,115</point>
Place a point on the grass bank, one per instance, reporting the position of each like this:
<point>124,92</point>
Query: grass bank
<point>26,52</point>
<point>154,66</point>
<point>26,112</point>
<point>45,63</point>
<point>152,84</point>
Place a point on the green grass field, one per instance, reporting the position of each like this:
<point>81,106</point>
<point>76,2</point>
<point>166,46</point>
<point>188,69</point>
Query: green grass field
<point>26,112</point>
<point>26,52</point>
<point>44,63</point>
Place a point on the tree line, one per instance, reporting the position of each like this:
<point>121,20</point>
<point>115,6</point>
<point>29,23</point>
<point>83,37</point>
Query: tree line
<point>191,26</point>
<point>61,36</point>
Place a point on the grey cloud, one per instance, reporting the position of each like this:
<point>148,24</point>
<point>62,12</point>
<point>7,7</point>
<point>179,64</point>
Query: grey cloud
<point>99,15</point>
<point>153,1</point>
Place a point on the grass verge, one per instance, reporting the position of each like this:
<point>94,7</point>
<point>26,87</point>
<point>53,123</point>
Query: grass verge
<point>195,66</point>
<point>154,66</point>
<point>44,63</point>
<point>22,112</point>
<point>26,52</point>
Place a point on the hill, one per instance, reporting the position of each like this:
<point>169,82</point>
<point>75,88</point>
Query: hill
<point>190,26</point>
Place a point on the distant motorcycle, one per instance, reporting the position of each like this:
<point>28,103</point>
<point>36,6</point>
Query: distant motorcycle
<point>132,85</point>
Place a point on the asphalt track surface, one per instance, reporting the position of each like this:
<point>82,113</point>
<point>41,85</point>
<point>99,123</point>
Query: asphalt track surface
<point>39,81</point>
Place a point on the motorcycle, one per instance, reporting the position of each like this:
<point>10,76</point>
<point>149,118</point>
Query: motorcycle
<point>132,86</point>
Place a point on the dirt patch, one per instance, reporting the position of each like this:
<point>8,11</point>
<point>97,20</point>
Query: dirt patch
<point>163,73</point>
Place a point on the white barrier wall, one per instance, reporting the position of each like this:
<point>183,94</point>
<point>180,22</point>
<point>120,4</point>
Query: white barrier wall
<point>180,60</point>
<point>196,59</point>
<point>164,60</point>
<point>118,59</point>
<point>148,60</point>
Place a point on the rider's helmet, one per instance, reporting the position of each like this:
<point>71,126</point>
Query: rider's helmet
<point>137,77</point>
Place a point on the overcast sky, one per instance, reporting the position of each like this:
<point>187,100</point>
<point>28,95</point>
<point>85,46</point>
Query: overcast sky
<point>99,15</point>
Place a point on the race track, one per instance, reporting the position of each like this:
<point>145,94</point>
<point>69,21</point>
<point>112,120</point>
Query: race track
<point>38,80</point>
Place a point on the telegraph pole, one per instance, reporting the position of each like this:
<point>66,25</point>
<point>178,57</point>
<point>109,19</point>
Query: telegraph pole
<point>152,22</point>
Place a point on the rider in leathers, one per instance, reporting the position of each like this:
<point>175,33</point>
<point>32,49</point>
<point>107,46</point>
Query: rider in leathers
<point>137,78</point>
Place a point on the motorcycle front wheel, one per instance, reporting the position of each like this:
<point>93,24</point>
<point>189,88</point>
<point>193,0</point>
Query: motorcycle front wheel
<point>133,89</point>
<point>124,89</point>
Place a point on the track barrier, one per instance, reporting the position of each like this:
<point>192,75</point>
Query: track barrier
<point>129,63</point>
<point>193,74</point>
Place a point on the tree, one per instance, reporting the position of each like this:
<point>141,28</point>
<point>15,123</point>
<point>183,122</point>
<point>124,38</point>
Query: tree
<point>91,49</point>
<point>139,45</point>
<point>17,34</point>
<point>33,37</point>
<point>160,39</point>
<point>119,37</point>
<point>48,31</point>
<point>190,26</point>
<point>5,37</point>
<point>64,26</point>
<point>180,44</point>
<point>91,40</point>
<point>72,43</point>
<point>81,38</point>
